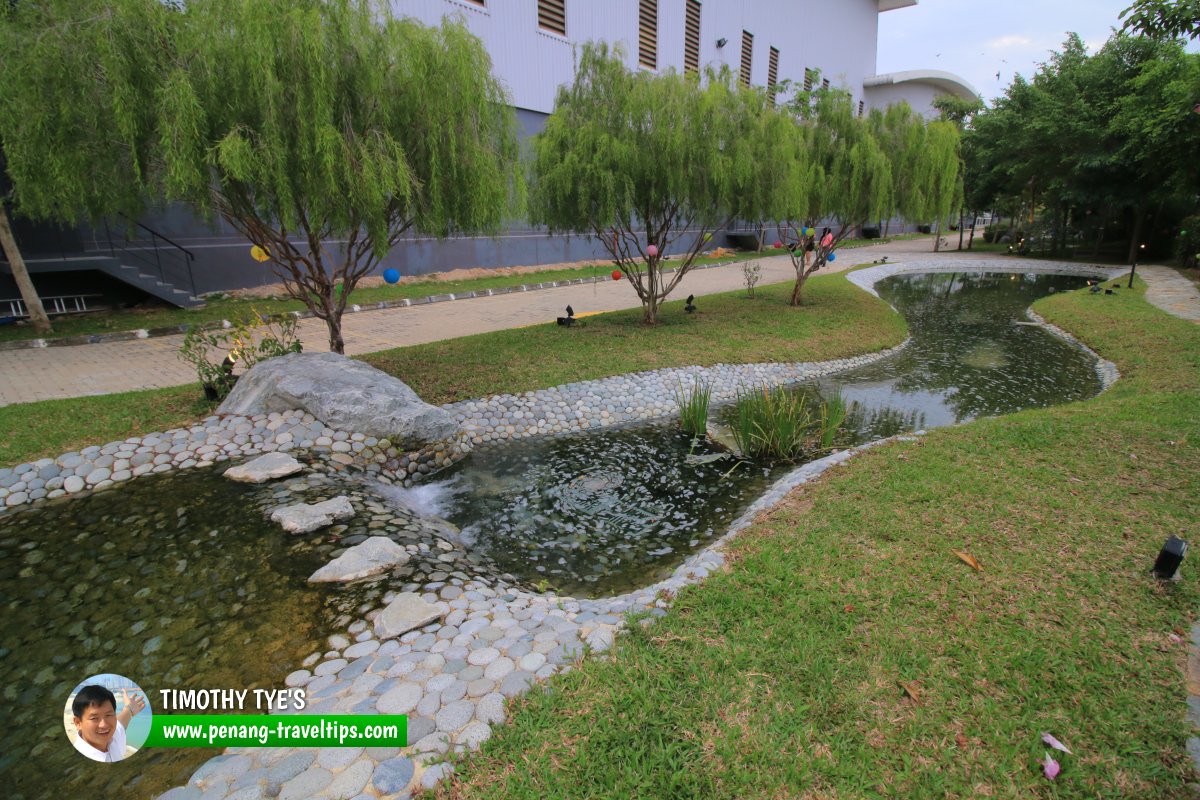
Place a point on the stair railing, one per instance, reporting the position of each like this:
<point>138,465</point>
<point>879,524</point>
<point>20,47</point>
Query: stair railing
<point>163,255</point>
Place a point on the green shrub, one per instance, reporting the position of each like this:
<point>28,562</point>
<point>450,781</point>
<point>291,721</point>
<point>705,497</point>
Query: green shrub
<point>214,352</point>
<point>693,408</point>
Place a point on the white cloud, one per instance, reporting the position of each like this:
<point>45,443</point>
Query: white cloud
<point>1010,42</point>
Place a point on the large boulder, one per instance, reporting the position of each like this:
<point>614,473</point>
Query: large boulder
<point>344,394</point>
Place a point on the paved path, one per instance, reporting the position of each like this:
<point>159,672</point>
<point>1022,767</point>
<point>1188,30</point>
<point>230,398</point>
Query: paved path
<point>62,372</point>
<point>1171,292</point>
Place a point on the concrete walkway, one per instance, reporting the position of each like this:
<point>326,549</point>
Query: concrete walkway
<point>1171,292</point>
<point>63,372</point>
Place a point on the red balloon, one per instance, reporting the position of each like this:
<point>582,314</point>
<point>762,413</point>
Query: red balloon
<point>617,274</point>
<point>778,245</point>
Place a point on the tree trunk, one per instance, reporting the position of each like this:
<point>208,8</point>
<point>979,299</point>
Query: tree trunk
<point>937,236</point>
<point>1136,238</point>
<point>33,303</point>
<point>962,212</point>
<point>974,218</point>
<point>801,267</point>
<point>650,310</point>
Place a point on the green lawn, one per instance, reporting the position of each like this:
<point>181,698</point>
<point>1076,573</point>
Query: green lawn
<point>837,320</point>
<point>781,677</point>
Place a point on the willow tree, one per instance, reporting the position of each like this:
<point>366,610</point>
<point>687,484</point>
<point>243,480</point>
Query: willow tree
<point>323,130</point>
<point>77,85</point>
<point>649,163</point>
<point>936,188</point>
<point>845,177</point>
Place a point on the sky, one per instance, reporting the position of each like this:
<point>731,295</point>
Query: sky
<point>975,40</point>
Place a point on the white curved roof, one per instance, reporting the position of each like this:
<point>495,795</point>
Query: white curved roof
<point>888,5</point>
<point>946,81</point>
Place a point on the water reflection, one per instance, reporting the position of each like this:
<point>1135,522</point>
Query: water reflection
<point>972,354</point>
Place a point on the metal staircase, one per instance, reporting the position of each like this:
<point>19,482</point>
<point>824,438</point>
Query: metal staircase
<point>154,264</point>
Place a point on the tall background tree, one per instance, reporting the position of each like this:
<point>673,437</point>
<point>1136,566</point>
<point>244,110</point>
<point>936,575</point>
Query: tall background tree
<point>1095,145</point>
<point>77,85</point>
<point>322,130</point>
<point>1163,19</point>
<point>650,164</point>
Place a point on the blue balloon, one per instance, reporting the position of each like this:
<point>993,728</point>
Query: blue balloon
<point>832,257</point>
<point>391,275</point>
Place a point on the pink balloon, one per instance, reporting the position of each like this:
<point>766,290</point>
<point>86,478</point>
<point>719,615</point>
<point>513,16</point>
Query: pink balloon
<point>652,251</point>
<point>778,245</point>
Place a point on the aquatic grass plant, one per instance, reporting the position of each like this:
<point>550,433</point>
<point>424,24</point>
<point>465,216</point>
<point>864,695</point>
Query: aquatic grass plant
<point>693,407</point>
<point>849,652</point>
<point>773,424</point>
<point>784,424</point>
<point>833,414</point>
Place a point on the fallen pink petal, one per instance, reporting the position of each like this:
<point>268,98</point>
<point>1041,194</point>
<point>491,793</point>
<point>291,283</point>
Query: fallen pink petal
<point>1055,743</point>
<point>1051,767</point>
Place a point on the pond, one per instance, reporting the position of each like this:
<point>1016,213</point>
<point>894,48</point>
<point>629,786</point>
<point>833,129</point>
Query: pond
<point>180,581</point>
<point>197,591</point>
<point>602,513</point>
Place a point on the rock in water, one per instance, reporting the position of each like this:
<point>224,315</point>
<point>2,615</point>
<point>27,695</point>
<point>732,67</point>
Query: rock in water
<point>304,518</point>
<point>344,394</point>
<point>375,555</point>
<point>265,468</point>
<point>409,610</point>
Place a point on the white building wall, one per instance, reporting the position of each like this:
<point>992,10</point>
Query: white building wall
<point>919,96</point>
<point>838,37</point>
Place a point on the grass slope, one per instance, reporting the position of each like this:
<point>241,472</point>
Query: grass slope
<point>837,320</point>
<point>781,677</point>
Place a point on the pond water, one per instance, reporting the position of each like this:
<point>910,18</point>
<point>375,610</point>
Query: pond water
<point>174,581</point>
<point>179,581</point>
<point>602,513</point>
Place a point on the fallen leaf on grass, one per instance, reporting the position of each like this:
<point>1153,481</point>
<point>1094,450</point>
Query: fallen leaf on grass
<point>911,690</point>
<point>961,741</point>
<point>969,560</point>
<point>1050,767</point>
<point>1055,743</point>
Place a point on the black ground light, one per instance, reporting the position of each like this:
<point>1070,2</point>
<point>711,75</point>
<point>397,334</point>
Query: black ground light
<point>1169,558</point>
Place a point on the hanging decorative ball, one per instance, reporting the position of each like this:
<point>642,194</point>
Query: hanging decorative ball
<point>651,251</point>
<point>259,254</point>
<point>617,274</point>
<point>778,245</point>
<point>708,237</point>
<point>391,275</point>
<point>809,231</point>
<point>832,257</point>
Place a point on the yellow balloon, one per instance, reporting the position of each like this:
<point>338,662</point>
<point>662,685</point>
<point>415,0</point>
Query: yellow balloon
<point>259,254</point>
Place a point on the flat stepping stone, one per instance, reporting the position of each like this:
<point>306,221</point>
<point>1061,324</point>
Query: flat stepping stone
<point>265,468</point>
<point>406,612</point>
<point>304,518</point>
<point>377,554</point>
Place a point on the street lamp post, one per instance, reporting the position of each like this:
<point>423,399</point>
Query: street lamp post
<point>1133,269</point>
